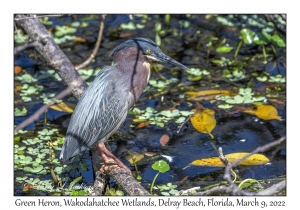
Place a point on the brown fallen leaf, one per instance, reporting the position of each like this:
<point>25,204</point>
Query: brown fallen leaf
<point>264,112</point>
<point>125,35</point>
<point>17,89</point>
<point>184,179</point>
<point>164,139</point>
<point>143,124</point>
<point>17,69</point>
<point>79,39</point>
<point>149,154</point>
<point>28,187</point>
<point>204,121</point>
<point>276,101</point>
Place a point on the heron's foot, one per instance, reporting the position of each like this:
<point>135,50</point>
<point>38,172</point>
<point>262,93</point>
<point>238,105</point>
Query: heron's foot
<point>111,161</point>
<point>109,168</point>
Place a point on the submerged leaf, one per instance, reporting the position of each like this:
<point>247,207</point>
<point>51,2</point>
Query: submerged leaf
<point>63,107</point>
<point>264,112</point>
<point>204,121</point>
<point>134,157</point>
<point>164,139</point>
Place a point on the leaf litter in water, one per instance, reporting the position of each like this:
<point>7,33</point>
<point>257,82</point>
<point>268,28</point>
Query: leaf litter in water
<point>63,107</point>
<point>264,112</point>
<point>255,159</point>
<point>204,121</point>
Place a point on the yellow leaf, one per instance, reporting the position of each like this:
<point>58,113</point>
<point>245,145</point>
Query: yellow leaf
<point>264,112</point>
<point>212,162</point>
<point>134,157</point>
<point>204,121</point>
<point>79,39</point>
<point>210,92</point>
<point>63,107</point>
<point>255,159</point>
<point>143,124</point>
<point>17,89</point>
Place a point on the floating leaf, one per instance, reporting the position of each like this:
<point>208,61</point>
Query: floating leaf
<point>63,107</point>
<point>19,113</point>
<point>143,124</point>
<point>164,139</point>
<point>17,70</point>
<point>264,112</point>
<point>262,38</point>
<point>27,187</point>
<point>247,36</point>
<point>204,121</point>
<point>194,78</point>
<point>209,92</point>
<point>236,100</point>
<point>79,39</point>
<point>212,162</point>
<point>224,106</point>
<point>278,40</point>
<point>262,78</point>
<point>255,159</point>
<point>128,26</point>
<point>224,49</point>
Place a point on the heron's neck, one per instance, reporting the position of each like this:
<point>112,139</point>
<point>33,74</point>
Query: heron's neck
<point>135,68</point>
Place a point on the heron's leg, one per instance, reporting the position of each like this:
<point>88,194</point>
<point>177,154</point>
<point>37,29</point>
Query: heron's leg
<point>104,151</point>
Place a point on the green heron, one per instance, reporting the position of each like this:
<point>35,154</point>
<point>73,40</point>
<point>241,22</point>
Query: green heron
<point>103,107</point>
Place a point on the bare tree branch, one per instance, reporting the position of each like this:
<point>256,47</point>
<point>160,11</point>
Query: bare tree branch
<point>37,16</point>
<point>37,114</point>
<point>97,45</point>
<point>25,46</point>
<point>53,54</point>
<point>257,150</point>
<point>274,189</point>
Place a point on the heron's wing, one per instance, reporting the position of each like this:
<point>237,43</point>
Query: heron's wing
<point>99,113</point>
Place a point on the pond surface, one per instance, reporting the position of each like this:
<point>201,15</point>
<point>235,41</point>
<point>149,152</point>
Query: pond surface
<point>232,53</point>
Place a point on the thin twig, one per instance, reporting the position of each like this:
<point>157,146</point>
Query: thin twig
<point>257,150</point>
<point>25,46</point>
<point>178,131</point>
<point>37,114</point>
<point>95,50</point>
<point>227,176</point>
<point>67,91</point>
<point>35,16</point>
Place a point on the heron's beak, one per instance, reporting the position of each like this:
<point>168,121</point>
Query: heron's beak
<point>164,58</point>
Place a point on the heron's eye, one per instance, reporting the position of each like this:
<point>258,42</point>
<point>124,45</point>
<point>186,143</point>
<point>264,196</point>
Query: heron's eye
<point>149,52</point>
